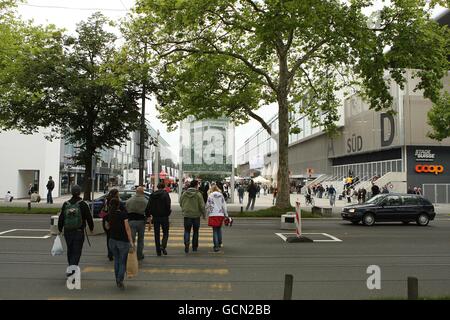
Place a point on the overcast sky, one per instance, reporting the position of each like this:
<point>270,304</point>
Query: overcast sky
<point>67,13</point>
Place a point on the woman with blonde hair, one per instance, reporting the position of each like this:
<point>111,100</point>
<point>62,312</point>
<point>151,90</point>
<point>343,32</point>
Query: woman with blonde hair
<point>216,208</point>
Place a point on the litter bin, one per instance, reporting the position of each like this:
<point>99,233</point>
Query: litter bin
<point>54,225</point>
<point>288,221</point>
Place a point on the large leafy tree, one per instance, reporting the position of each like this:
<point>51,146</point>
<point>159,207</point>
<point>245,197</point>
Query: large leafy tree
<point>79,86</point>
<point>231,56</point>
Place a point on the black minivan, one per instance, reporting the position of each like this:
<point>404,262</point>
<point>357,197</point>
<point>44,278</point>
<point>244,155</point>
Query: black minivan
<point>391,207</point>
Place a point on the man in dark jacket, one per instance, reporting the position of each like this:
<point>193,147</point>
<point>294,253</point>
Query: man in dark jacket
<point>375,190</point>
<point>252,191</point>
<point>74,215</point>
<point>50,187</point>
<point>158,209</point>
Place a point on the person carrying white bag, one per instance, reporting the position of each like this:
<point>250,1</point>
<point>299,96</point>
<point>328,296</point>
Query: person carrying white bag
<point>57,249</point>
<point>75,214</point>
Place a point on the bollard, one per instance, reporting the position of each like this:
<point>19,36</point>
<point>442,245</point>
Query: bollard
<point>413,288</point>
<point>288,280</point>
<point>29,205</point>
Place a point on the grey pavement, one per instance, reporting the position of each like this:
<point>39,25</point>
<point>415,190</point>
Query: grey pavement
<point>262,202</point>
<point>252,264</point>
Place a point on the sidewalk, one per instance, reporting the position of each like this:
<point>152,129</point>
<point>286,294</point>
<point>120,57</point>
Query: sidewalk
<point>262,202</point>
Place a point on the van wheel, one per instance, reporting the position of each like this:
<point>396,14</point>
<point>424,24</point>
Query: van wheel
<point>368,219</point>
<point>423,219</point>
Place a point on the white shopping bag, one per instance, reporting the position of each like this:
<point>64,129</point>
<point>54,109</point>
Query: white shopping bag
<point>57,248</point>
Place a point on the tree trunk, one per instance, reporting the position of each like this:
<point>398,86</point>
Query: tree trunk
<point>283,195</point>
<point>87,184</point>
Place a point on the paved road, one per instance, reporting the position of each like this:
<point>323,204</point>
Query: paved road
<point>251,266</point>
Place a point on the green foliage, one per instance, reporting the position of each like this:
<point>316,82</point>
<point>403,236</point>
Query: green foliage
<point>439,118</point>
<point>78,86</point>
<point>229,57</point>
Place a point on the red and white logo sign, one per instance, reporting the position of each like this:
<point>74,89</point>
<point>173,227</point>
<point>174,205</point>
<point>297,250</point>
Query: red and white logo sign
<point>429,168</point>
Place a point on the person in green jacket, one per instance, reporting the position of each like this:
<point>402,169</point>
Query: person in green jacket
<point>192,206</point>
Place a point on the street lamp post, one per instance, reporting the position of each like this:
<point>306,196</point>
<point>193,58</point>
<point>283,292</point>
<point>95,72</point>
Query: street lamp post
<point>156,160</point>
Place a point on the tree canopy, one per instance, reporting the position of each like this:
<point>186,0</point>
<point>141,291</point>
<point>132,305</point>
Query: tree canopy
<point>229,57</point>
<point>79,86</point>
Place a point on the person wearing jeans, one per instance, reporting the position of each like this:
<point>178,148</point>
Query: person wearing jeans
<point>189,224</point>
<point>50,187</point>
<point>158,210</point>
<point>192,207</point>
<point>136,207</point>
<point>120,241</point>
<point>216,208</point>
<point>75,237</point>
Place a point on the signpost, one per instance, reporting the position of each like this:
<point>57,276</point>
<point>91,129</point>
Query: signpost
<point>298,226</point>
<point>298,219</point>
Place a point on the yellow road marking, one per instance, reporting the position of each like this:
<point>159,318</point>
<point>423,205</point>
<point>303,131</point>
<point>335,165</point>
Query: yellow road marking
<point>169,245</point>
<point>179,238</point>
<point>164,270</point>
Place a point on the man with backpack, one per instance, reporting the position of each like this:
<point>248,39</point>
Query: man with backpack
<point>74,215</point>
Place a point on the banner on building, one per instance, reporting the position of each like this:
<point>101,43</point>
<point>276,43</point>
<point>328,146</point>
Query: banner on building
<point>207,145</point>
<point>256,162</point>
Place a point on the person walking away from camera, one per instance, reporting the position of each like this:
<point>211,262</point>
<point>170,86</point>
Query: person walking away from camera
<point>349,194</point>
<point>192,207</point>
<point>363,195</point>
<point>204,188</point>
<point>120,241</point>
<point>375,189</point>
<point>9,197</point>
<point>216,208</point>
<point>275,191</point>
<point>241,192</point>
<point>359,196</point>
<point>135,207</point>
<point>332,195</point>
<point>75,213</point>
<point>158,211</point>
<point>113,193</point>
<point>252,191</point>
<point>50,186</point>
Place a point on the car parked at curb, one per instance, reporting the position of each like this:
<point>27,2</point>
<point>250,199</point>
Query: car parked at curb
<point>391,207</point>
<point>124,195</point>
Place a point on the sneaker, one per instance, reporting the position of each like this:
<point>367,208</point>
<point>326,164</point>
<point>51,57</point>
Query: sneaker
<point>164,251</point>
<point>186,248</point>
<point>158,253</point>
<point>216,249</point>
<point>194,249</point>
<point>120,285</point>
<point>140,258</point>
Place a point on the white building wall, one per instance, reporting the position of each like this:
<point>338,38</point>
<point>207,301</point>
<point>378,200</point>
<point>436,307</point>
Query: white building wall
<point>20,155</point>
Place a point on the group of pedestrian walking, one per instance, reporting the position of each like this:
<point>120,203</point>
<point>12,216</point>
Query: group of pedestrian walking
<point>125,223</point>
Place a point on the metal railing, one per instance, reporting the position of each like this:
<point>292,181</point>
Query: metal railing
<point>436,192</point>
